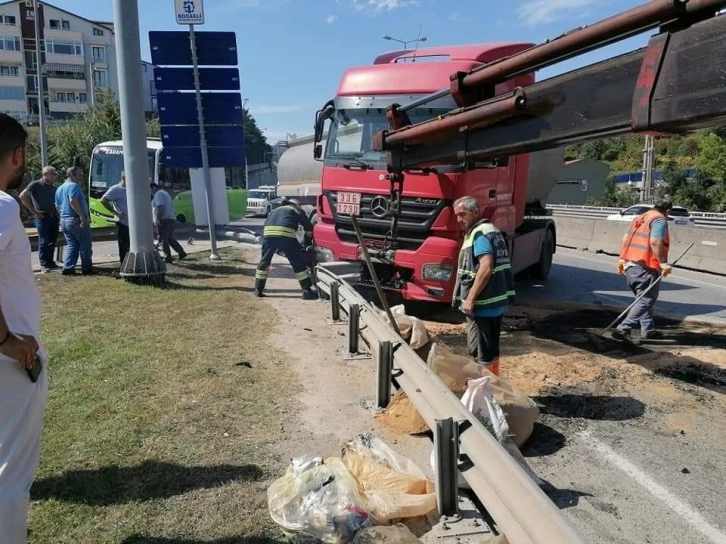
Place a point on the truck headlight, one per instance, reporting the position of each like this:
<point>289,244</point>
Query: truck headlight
<point>437,272</point>
<point>323,255</point>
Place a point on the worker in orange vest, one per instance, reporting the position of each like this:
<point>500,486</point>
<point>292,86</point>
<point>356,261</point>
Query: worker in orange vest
<point>643,258</point>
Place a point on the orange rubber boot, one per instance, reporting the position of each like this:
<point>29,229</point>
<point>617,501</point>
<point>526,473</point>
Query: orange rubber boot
<point>493,367</point>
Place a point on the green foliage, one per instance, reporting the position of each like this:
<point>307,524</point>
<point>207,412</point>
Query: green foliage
<point>614,196</point>
<point>704,150</point>
<point>256,145</point>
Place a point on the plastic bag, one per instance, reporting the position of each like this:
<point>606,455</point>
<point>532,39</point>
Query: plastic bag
<point>479,401</point>
<point>393,487</point>
<point>455,371</point>
<point>395,534</point>
<point>319,500</point>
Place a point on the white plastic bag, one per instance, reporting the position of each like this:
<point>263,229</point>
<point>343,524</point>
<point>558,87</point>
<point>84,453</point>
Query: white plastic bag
<point>479,400</point>
<point>318,500</point>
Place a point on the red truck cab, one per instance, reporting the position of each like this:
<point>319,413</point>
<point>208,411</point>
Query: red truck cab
<point>420,262</point>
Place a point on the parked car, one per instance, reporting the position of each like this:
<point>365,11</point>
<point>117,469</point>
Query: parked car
<point>259,201</point>
<point>678,215</point>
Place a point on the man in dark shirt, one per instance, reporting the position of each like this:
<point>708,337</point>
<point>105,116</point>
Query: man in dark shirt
<point>39,198</point>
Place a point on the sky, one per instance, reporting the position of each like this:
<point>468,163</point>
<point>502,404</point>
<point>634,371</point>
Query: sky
<point>292,53</point>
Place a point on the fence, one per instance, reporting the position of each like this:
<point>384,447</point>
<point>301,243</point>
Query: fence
<point>702,219</point>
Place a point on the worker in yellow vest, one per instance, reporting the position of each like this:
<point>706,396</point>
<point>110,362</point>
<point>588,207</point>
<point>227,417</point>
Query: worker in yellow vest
<point>643,258</point>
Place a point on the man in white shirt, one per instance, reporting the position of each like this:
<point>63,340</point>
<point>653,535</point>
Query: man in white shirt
<point>165,221</point>
<point>22,401</point>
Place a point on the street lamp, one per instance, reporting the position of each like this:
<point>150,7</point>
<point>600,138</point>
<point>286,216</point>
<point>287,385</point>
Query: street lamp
<point>406,42</point>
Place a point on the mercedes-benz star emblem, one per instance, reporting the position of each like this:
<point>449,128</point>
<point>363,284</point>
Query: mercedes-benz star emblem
<point>379,207</point>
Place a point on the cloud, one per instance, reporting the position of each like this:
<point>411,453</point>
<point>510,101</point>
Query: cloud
<point>272,109</point>
<point>544,12</point>
<point>331,19</point>
<point>455,16</point>
<point>379,6</point>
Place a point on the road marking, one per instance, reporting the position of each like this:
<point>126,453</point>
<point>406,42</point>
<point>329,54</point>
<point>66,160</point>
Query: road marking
<point>607,259</point>
<point>693,518</point>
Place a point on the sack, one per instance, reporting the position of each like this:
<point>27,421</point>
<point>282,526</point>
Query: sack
<point>455,371</point>
<point>318,500</point>
<point>412,329</point>
<point>392,486</point>
<point>479,401</point>
<point>395,534</point>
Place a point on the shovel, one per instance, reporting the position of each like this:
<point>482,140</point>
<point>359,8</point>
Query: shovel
<point>598,339</point>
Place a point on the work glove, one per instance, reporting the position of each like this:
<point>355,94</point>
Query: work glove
<point>665,269</point>
<point>621,267</point>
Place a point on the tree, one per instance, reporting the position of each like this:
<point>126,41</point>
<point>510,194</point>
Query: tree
<point>711,160</point>
<point>256,146</point>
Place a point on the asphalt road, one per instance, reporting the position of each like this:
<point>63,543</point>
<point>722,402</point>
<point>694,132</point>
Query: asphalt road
<point>578,276</point>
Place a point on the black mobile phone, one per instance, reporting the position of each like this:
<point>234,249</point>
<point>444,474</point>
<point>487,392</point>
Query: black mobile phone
<point>34,371</point>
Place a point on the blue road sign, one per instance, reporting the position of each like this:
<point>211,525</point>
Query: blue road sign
<point>210,79</point>
<point>191,157</point>
<point>188,136</point>
<point>173,48</point>
<point>218,108</point>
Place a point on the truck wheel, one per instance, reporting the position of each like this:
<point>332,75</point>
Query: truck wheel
<point>541,270</point>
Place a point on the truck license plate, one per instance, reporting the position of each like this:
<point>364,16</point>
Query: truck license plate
<point>348,204</point>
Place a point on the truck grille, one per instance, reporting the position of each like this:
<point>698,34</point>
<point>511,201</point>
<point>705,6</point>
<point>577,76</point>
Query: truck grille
<point>414,225</point>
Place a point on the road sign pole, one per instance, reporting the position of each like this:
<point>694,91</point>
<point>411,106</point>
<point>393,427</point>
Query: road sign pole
<point>143,263</point>
<point>203,144</point>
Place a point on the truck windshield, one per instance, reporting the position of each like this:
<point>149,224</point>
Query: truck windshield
<point>107,163</point>
<point>352,130</point>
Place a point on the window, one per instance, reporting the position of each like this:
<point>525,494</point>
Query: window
<point>66,24</point>
<point>10,20</point>
<point>32,84</point>
<point>10,43</point>
<point>55,24</point>
<point>64,74</point>
<point>61,97</point>
<point>100,78</point>
<point>97,32</point>
<point>31,60</point>
<point>12,93</point>
<point>99,53</point>
<point>12,71</point>
<point>82,98</point>
<point>71,97</point>
<point>63,47</point>
<point>60,24</point>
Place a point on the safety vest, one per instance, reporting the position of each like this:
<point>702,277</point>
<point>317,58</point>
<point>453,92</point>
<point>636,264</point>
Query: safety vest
<point>637,247</point>
<point>499,290</point>
<point>283,222</point>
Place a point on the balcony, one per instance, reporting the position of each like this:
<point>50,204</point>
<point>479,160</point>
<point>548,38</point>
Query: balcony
<point>11,57</point>
<point>67,107</point>
<point>12,81</point>
<point>56,84</point>
<point>60,34</point>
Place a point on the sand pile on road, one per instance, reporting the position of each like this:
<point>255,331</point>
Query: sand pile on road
<point>401,417</point>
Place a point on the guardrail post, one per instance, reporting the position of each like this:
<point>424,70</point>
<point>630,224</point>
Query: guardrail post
<point>353,334</point>
<point>335,302</point>
<point>385,369</point>
<point>446,443</point>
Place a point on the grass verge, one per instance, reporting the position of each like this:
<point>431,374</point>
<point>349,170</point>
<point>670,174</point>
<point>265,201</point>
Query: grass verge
<point>163,406</point>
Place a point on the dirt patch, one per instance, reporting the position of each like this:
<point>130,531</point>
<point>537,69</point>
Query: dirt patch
<point>401,416</point>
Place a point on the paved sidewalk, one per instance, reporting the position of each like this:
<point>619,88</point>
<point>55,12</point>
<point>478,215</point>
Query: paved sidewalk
<point>107,252</point>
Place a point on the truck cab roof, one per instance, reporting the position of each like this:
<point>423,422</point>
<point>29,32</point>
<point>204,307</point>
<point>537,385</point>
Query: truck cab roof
<point>394,73</point>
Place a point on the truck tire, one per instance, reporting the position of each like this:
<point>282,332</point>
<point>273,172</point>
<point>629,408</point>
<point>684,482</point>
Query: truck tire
<point>541,270</point>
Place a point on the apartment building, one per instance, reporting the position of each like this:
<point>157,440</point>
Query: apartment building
<point>78,59</point>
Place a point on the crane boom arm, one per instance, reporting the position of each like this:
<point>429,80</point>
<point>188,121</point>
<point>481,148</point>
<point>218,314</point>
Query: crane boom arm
<point>674,85</point>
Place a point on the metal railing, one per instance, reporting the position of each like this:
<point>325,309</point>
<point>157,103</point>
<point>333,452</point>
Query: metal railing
<point>702,219</point>
<point>519,507</point>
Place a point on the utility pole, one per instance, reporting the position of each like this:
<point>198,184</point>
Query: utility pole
<point>92,81</point>
<point>244,111</point>
<point>648,165</point>
<point>143,263</point>
<point>41,90</point>
<point>213,255</point>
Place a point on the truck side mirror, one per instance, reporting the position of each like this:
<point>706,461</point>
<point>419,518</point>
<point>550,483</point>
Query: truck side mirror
<point>318,152</point>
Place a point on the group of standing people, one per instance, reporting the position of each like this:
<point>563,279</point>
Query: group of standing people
<point>65,208</point>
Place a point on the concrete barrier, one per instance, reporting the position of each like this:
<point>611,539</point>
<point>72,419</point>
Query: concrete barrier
<point>708,253</point>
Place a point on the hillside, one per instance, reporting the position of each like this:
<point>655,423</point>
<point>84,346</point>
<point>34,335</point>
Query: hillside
<point>703,150</point>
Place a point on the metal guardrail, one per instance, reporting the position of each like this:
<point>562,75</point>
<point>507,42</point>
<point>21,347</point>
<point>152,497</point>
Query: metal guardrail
<point>519,507</point>
<point>702,219</point>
